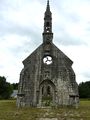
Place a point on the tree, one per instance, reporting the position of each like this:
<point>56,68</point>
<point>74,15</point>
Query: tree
<point>84,89</point>
<point>15,86</point>
<point>6,88</point>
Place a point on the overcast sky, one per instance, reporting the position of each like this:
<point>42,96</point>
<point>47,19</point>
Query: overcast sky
<point>21,27</point>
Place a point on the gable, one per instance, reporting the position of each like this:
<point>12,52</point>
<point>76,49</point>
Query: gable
<point>33,55</point>
<point>56,52</point>
<point>62,55</point>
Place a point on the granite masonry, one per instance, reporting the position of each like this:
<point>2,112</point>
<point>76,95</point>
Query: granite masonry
<point>47,78</point>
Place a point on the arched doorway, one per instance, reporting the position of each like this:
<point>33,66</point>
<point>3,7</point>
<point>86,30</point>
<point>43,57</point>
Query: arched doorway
<point>47,93</point>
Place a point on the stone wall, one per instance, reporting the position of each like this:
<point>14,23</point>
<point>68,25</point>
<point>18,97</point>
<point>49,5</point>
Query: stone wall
<point>59,76</point>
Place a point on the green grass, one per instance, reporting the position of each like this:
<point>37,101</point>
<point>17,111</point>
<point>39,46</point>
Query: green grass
<point>9,111</point>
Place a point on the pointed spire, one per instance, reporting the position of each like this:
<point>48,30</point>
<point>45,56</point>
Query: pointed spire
<point>48,6</point>
<point>47,34</point>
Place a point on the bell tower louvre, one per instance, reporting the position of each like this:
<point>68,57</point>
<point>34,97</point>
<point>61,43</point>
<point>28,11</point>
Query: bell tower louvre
<point>47,78</point>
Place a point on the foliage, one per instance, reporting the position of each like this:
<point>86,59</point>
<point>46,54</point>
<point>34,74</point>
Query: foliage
<point>5,88</point>
<point>84,89</point>
<point>15,86</point>
<point>47,100</point>
<point>9,111</point>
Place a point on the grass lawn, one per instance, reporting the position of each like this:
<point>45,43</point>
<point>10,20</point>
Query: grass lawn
<point>9,111</point>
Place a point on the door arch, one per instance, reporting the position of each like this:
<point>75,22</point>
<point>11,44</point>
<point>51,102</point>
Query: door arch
<point>47,93</point>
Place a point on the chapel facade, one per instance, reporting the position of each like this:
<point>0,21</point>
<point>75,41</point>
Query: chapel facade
<point>47,78</point>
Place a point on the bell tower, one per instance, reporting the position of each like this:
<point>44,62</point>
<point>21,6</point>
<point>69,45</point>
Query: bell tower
<point>47,34</point>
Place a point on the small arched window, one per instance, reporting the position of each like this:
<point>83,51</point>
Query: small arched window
<point>48,90</point>
<point>42,90</point>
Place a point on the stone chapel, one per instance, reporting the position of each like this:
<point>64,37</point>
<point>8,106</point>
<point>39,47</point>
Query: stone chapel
<point>47,78</point>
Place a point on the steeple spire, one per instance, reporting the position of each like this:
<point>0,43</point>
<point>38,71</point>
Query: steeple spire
<point>48,6</point>
<point>47,34</point>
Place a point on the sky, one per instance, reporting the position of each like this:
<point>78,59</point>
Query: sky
<point>21,27</point>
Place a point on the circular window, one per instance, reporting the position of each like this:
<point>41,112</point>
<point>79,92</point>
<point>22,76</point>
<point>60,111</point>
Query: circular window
<point>47,60</point>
